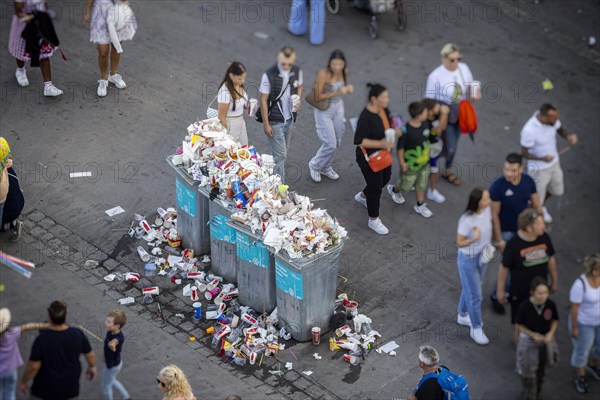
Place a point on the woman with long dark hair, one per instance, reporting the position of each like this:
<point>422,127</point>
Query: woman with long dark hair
<point>370,137</point>
<point>473,238</point>
<point>232,99</point>
<point>330,86</point>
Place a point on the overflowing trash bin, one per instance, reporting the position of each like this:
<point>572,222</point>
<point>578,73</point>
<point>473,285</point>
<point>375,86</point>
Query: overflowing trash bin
<point>222,240</point>
<point>192,211</point>
<point>255,270</point>
<point>306,290</point>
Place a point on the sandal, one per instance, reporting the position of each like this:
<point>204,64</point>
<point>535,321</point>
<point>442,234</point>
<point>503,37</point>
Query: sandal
<point>453,179</point>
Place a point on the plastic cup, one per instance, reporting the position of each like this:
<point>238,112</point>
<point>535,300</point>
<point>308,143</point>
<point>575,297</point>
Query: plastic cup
<point>316,335</point>
<point>390,135</point>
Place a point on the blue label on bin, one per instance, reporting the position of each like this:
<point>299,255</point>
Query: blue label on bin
<point>220,230</point>
<point>252,252</point>
<point>288,281</point>
<point>186,198</point>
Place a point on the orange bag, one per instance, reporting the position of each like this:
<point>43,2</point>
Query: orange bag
<point>467,117</point>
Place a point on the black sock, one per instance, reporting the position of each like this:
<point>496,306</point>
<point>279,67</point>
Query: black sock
<point>419,203</point>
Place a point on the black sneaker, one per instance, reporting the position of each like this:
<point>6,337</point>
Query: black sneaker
<point>581,385</point>
<point>497,307</point>
<point>595,371</point>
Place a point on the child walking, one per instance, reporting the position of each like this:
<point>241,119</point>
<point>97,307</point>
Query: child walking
<point>111,23</point>
<point>113,344</point>
<point>413,154</point>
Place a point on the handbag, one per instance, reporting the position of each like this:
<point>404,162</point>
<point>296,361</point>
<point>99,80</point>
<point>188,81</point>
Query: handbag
<point>381,159</point>
<point>211,112</point>
<point>311,99</point>
<point>258,115</point>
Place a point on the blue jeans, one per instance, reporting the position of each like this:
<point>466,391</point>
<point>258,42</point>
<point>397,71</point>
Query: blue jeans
<point>587,344</point>
<point>450,138</point>
<point>8,385</point>
<point>299,19</point>
<point>471,273</point>
<point>280,143</point>
<point>109,381</point>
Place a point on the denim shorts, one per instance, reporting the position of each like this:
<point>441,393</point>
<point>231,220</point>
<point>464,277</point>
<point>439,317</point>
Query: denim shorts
<point>587,344</point>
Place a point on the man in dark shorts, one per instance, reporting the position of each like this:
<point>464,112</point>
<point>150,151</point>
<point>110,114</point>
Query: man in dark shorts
<point>54,362</point>
<point>528,254</point>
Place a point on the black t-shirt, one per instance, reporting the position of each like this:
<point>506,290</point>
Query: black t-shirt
<point>113,358</point>
<point>430,390</point>
<point>59,351</point>
<point>430,124</point>
<point>369,126</point>
<point>416,146</point>
<point>526,260</point>
<point>537,319</point>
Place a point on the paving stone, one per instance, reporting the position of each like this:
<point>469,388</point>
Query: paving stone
<point>113,294</point>
<point>175,321</point>
<point>193,344</point>
<point>60,231</point>
<point>182,337</point>
<point>110,264</point>
<point>99,256</point>
<point>203,351</point>
<point>178,305</point>
<point>71,267</point>
<point>166,297</point>
<point>99,272</point>
<point>82,274</point>
<point>291,376</point>
<point>72,240</point>
<point>187,326</point>
<point>55,243</point>
<point>170,329</point>
<point>299,396</point>
<point>316,391</point>
<point>138,308</point>
<point>146,315</point>
<point>158,322</point>
<point>272,380</point>
<point>46,237</point>
<point>303,383</point>
<point>93,280</point>
<point>28,225</point>
<point>252,381</point>
<point>133,292</point>
<point>36,216</point>
<point>46,223</point>
<point>198,333</point>
<point>102,286</point>
<point>37,232</point>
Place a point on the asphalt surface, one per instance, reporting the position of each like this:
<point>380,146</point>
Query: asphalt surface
<point>407,281</point>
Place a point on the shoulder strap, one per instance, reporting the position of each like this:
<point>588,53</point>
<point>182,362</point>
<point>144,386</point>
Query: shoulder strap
<point>582,282</point>
<point>384,119</point>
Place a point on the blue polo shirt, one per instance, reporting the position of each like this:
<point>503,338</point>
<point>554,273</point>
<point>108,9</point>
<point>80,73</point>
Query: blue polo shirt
<point>513,199</point>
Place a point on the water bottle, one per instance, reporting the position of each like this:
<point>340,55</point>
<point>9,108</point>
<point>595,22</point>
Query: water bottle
<point>150,269</point>
<point>148,299</point>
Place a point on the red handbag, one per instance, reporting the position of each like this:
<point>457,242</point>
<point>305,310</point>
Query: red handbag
<point>467,117</point>
<point>381,159</point>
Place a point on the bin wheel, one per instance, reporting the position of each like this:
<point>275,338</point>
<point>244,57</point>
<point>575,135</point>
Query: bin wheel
<point>373,28</point>
<point>333,6</point>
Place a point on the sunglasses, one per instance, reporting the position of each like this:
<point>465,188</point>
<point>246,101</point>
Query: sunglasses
<point>453,60</point>
<point>161,382</point>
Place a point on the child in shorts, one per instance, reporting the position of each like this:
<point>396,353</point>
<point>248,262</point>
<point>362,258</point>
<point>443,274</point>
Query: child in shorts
<point>413,154</point>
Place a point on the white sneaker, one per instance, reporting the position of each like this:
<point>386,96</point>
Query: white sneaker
<point>52,91</point>
<point>117,80</point>
<point>315,175</point>
<point>397,197</point>
<point>360,198</point>
<point>102,87</point>
<point>330,173</point>
<point>378,226</point>
<point>436,196</point>
<point>423,210</point>
<point>464,321</point>
<point>547,217</point>
<point>479,337</point>
<point>22,77</point>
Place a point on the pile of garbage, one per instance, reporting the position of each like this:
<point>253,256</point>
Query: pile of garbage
<point>238,175</point>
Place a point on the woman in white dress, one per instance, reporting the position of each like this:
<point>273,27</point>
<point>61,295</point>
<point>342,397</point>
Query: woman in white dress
<point>233,99</point>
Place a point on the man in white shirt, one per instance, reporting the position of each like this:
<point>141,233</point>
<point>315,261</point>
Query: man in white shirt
<point>538,144</point>
<point>279,86</point>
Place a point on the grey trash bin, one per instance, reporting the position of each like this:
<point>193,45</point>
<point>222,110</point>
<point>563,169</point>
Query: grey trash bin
<point>222,240</point>
<point>306,291</point>
<point>192,212</point>
<point>255,270</point>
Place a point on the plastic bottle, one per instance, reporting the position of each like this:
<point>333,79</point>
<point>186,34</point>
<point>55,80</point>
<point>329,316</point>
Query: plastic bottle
<point>148,299</point>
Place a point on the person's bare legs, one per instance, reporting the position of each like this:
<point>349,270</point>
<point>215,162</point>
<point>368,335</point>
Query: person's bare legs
<point>46,70</point>
<point>115,59</point>
<point>103,60</point>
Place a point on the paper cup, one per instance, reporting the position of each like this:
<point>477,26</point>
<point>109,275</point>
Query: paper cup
<point>213,284</point>
<point>209,295</point>
<point>143,254</point>
<point>252,106</point>
<point>390,135</point>
<point>476,89</point>
<point>195,294</point>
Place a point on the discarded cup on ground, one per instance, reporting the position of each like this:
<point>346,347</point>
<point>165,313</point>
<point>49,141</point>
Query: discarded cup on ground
<point>143,254</point>
<point>154,291</point>
<point>126,300</point>
<point>210,294</point>
<point>316,335</point>
<point>194,293</point>
<point>212,314</point>
<point>197,310</point>
<point>145,226</point>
